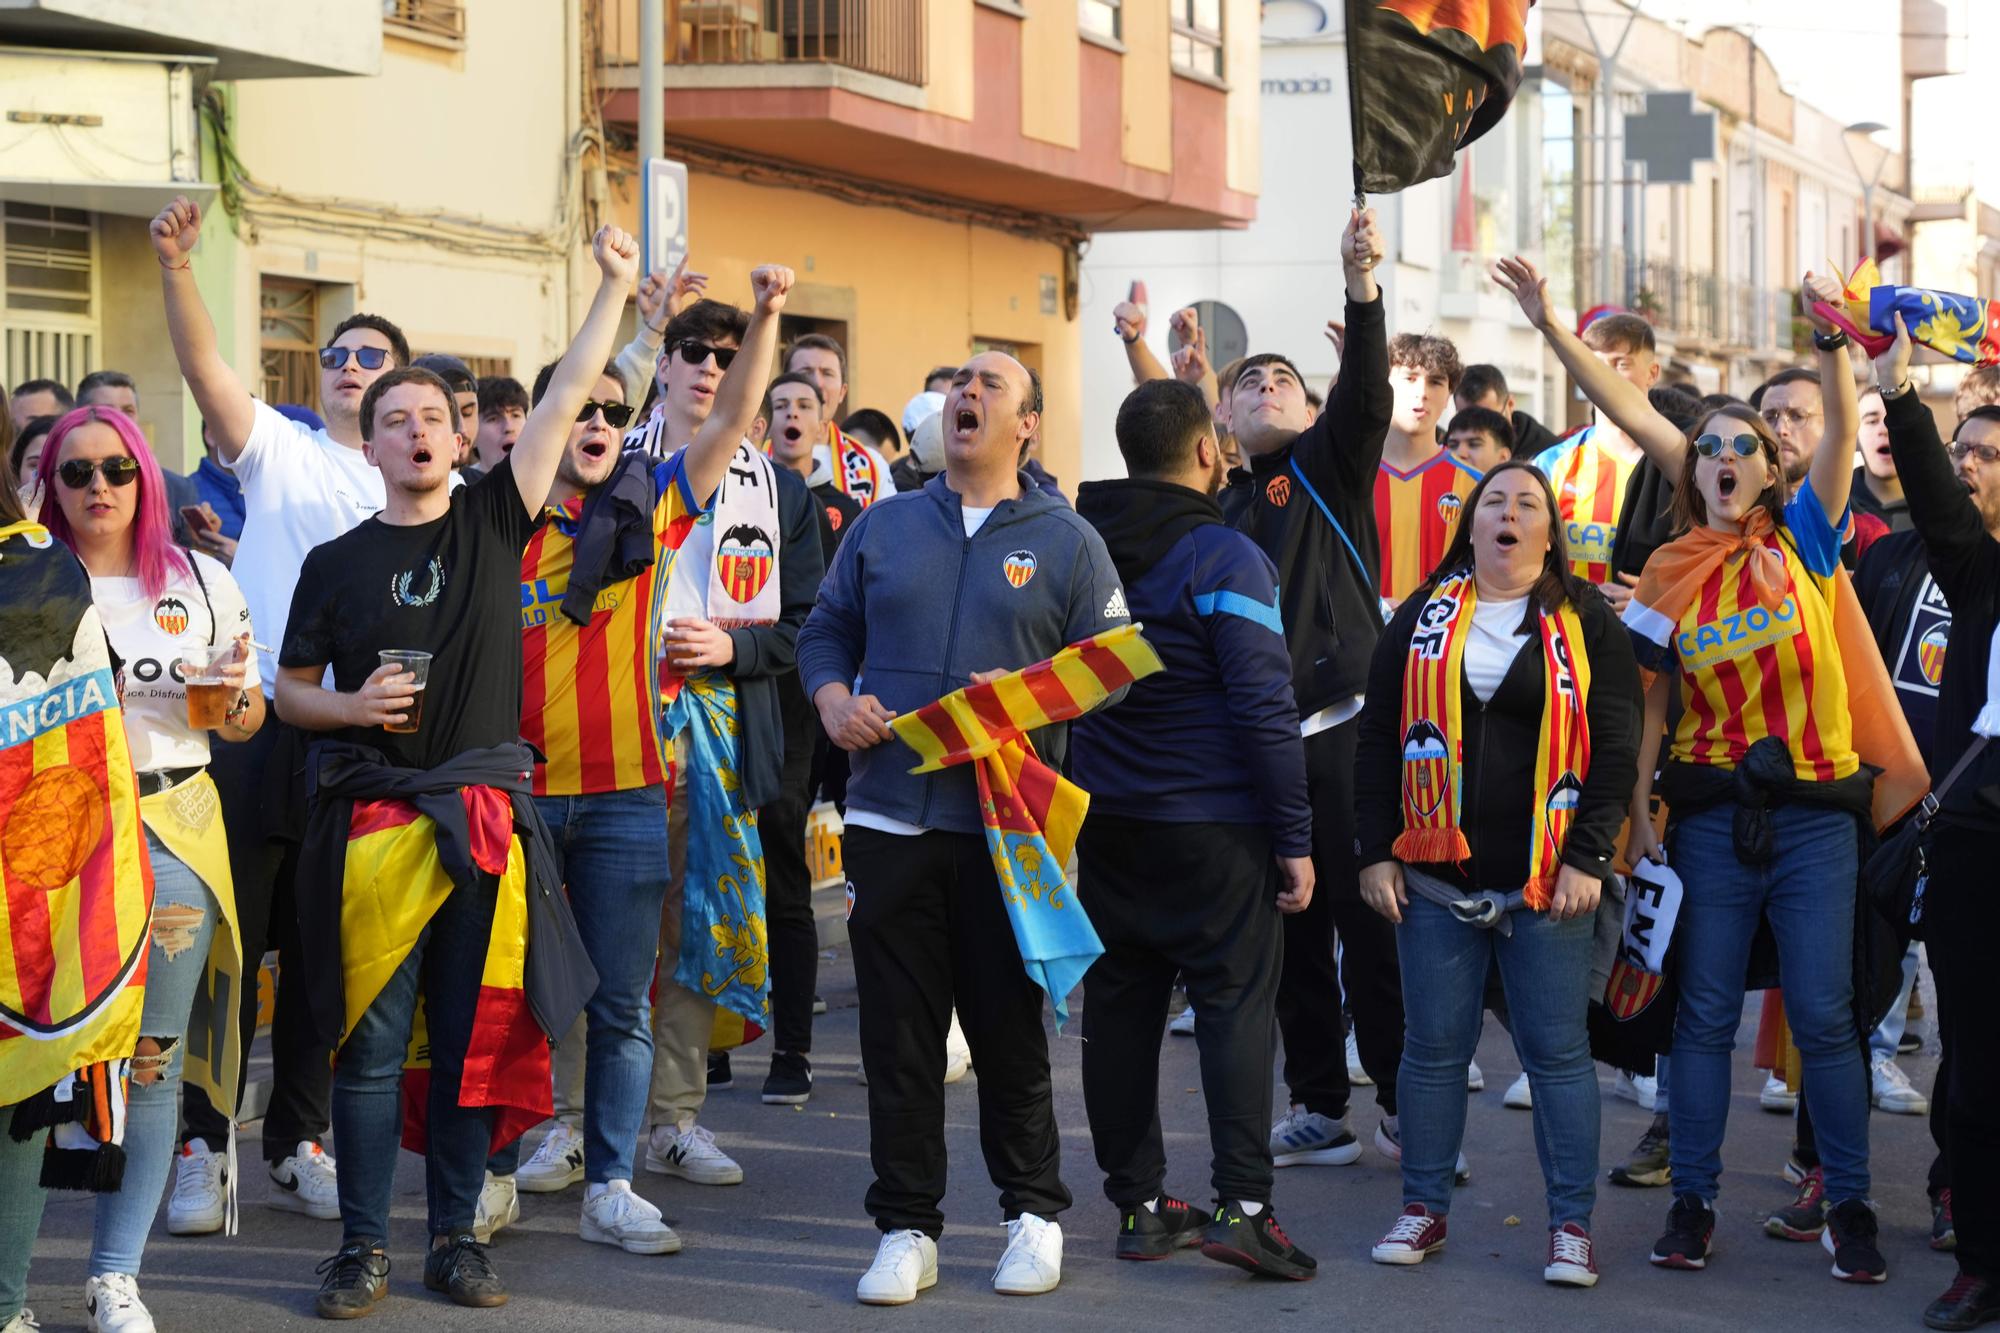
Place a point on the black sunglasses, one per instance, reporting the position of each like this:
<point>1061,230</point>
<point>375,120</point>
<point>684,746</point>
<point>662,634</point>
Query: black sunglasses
<point>1711,446</point>
<point>371,358</point>
<point>694,352</point>
<point>77,472</point>
<point>615,414</point>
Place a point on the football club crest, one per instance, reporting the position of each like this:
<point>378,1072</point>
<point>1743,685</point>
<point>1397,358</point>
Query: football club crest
<point>1630,990</point>
<point>743,558</point>
<point>1279,490</point>
<point>1930,653</point>
<point>1019,567</point>
<point>1426,767</point>
<point>171,615</point>
<point>1560,808</point>
<point>1448,506</point>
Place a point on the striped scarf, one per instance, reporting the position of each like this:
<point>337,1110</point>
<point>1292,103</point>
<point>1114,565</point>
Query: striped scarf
<point>1433,731</point>
<point>854,469</point>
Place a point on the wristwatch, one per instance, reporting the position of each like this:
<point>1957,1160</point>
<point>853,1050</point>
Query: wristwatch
<point>1830,344</point>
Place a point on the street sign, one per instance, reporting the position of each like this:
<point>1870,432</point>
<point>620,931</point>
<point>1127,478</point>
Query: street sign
<point>1670,138</point>
<point>663,215</point>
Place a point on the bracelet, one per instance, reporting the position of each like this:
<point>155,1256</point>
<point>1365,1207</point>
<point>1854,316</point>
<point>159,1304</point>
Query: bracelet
<point>185,263</point>
<point>652,330</point>
<point>1128,341</point>
<point>1896,392</point>
<point>1832,343</point>
<point>242,707</point>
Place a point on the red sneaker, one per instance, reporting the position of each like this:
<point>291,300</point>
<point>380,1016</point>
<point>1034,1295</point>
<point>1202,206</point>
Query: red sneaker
<point>1417,1235</point>
<point>1571,1263</point>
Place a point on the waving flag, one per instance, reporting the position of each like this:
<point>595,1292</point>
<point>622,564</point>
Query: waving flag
<point>1032,813</point>
<point>1425,78</point>
<point>1964,328</point>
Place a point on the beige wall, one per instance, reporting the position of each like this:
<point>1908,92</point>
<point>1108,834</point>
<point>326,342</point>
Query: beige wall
<point>1242,60</point>
<point>135,336</point>
<point>1050,90</point>
<point>949,42</point>
<point>1147,89</point>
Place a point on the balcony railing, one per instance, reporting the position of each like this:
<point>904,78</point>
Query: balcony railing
<point>884,37</point>
<point>440,21</point>
<point>1702,305</point>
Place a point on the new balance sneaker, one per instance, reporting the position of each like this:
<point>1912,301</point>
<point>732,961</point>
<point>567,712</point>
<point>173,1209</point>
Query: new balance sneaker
<point>957,1052</point>
<point>1389,1142</point>
<point>200,1199</point>
<point>460,1269</point>
<point>1519,1095</point>
<point>719,1077</point>
<point>112,1302</point>
<point>1182,1024</point>
<point>1804,1218</point>
<point>306,1182</point>
<point>499,1205</point>
<point>905,1264</point>
<point>1648,1164</point>
<point>557,1163</point>
<point>1795,1169</point>
<point>1475,1077</point>
<point>1690,1235</point>
<point>689,1151</point>
<point>1777,1098</point>
<point>1156,1231</point>
<point>1967,1303</point>
<point>1357,1075</point>
<point>1571,1262</point>
<point>1417,1235</point>
<point>352,1281</point>
<point>1032,1262</point>
<point>1307,1138</point>
<point>1944,1233</point>
<point>1640,1089</point>
<point>614,1215</point>
<point>1850,1238</point>
<point>1254,1242</point>
<point>24,1322</point>
<point>790,1082</point>
<point>1891,1091</point>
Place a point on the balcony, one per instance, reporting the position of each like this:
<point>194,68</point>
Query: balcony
<point>1704,308</point>
<point>880,37</point>
<point>247,39</point>
<point>432,22</point>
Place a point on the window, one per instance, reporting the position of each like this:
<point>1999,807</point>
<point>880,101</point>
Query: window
<point>1197,36</point>
<point>1099,18</point>
<point>288,336</point>
<point>438,22</point>
<point>48,295</point>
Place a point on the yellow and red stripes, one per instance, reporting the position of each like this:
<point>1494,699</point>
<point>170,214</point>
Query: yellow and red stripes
<point>1416,513</point>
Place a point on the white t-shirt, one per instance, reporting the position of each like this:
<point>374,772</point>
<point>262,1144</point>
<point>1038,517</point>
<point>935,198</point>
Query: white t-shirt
<point>1494,643</point>
<point>149,634</point>
<point>975,519</point>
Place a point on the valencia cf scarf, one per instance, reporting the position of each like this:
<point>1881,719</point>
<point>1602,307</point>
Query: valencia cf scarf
<point>854,468</point>
<point>726,571</point>
<point>1433,731</point>
<point>1032,814</point>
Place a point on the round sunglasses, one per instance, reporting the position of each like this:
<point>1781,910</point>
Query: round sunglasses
<point>76,473</point>
<point>1711,446</point>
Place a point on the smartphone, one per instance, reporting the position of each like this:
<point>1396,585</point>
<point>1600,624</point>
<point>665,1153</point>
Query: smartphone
<point>197,519</point>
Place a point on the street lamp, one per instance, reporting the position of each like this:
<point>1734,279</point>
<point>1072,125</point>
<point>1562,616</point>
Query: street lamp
<point>1864,132</point>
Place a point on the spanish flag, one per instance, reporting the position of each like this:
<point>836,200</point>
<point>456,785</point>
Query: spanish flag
<point>1032,813</point>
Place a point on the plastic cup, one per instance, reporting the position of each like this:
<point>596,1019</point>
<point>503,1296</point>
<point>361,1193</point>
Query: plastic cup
<point>417,664</point>
<point>208,696</point>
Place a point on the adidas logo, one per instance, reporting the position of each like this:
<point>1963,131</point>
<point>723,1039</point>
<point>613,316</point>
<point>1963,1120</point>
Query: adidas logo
<point>1115,608</point>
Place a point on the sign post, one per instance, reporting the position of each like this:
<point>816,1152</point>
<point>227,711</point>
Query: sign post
<point>663,215</point>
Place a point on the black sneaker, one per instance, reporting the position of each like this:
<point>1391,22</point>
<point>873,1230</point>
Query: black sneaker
<point>1850,1238</point>
<point>1690,1235</point>
<point>1255,1244</point>
<point>1909,1044</point>
<point>1944,1232</point>
<point>790,1082</point>
<point>1146,1234</point>
<point>719,1076</point>
<point>354,1280</point>
<point>460,1268</point>
<point>1967,1303</point>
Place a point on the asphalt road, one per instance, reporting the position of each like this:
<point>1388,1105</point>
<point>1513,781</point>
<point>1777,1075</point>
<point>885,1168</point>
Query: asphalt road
<point>783,1249</point>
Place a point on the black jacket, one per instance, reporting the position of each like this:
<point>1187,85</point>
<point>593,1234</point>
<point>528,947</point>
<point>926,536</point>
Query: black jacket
<point>1499,755</point>
<point>766,652</point>
<point>1907,611</point>
<point>1862,501</point>
<point>1530,436</point>
<point>1327,586</point>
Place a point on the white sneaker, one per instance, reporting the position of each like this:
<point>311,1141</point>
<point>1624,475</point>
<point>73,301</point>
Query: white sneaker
<point>1183,1024</point>
<point>23,1322</point>
<point>306,1183</point>
<point>1389,1142</point>
<point>112,1301</point>
<point>1032,1262</point>
<point>1893,1093</point>
<point>691,1154</point>
<point>957,1052</point>
<point>200,1199</point>
<point>499,1205</point>
<point>1519,1095</point>
<point>905,1264</point>
<point>1356,1075</point>
<point>614,1215</point>
<point>1307,1138</point>
<point>1642,1089</point>
<point>557,1163</point>
<point>1475,1077</point>
<point>1777,1098</point>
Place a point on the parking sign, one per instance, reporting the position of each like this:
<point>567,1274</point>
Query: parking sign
<point>663,214</point>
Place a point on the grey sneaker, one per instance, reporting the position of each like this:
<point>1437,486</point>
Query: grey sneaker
<point>1647,1166</point>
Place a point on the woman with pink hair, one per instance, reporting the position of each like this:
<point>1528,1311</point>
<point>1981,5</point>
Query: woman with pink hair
<point>168,613</point>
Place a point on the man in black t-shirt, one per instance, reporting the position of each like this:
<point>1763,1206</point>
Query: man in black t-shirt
<point>436,572</point>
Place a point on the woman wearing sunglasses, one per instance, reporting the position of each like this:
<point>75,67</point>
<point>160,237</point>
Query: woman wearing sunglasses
<point>1783,697</point>
<point>164,610</point>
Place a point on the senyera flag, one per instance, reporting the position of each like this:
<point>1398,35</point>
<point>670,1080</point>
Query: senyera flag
<point>1424,79</point>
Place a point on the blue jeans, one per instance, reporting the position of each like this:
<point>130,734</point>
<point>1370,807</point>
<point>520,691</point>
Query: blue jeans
<point>21,1200</point>
<point>1888,1034</point>
<point>1807,894</point>
<point>177,956</point>
<point>446,963</point>
<point>1545,971</point>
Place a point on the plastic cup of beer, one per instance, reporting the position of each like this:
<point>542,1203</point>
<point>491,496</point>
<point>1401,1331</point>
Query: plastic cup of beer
<point>209,696</point>
<point>417,664</point>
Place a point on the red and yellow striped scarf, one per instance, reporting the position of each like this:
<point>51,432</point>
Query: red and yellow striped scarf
<point>1433,732</point>
<point>854,470</point>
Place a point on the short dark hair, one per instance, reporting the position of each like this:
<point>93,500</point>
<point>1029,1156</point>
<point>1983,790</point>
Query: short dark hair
<point>403,375</point>
<point>1675,404</point>
<point>1313,400</point>
<point>1238,369</point>
<point>399,346</point>
<point>1034,403</point>
<point>1789,375</point>
<point>1556,588</point>
<point>449,369</point>
<point>1715,402</point>
<point>548,372</point>
<point>876,425</point>
<point>792,377</point>
<point>31,430</point>
<point>1481,379</point>
<point>1429,353</point>
<point>706,321</point>
<point>105,379</point>
<point>1620,333</point>
<point>1484,421</point>
<point>940,373</point>
<point>1158,425</point>
<point>820,342</point>
<point>1983,412</point>
<point>56,387</point>
<point>499,392</point>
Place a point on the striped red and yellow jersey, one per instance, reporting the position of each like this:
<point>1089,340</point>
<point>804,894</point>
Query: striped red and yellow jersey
<point>589,691</point>
<point>1589,482</point>
<point>1416,513</point>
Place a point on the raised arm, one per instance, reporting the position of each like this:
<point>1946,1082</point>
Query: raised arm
<point>1343,447</point>
<point>539,448</point>
<point>226,406</point>
<point>742,388</point>
<point>1191,364</point>
<point>1625,403</point>
<point>1832,470</point>
<point>1128,321</point>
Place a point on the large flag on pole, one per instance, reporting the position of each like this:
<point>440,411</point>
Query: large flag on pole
<point>1424,79</point>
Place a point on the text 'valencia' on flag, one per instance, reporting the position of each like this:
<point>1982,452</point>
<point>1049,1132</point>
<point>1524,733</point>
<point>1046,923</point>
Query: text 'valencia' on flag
<point>1425,78</point>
